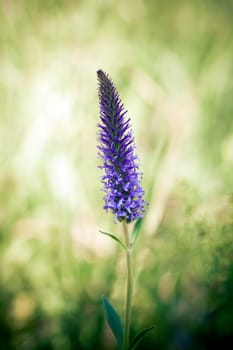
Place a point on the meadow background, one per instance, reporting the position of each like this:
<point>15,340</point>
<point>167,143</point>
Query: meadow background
<point>172,62</point>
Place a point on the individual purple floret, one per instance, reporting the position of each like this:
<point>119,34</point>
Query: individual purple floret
<point>121,179</point>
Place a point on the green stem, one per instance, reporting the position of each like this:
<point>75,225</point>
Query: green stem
<point>129,288</point>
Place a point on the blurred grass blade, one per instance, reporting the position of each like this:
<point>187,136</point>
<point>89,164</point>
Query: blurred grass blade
<point>139,337</point>
<point>135,232</point>
<point>114,238</point>
<point>114,321</point>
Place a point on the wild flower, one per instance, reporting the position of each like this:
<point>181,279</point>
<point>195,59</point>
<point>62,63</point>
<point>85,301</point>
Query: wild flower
<point>123,194</point>
<point>121,179</point>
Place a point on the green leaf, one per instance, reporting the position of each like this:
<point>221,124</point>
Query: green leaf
<point>114,321</point>
<point>135,232</point>
<point>114,238</point>
<point>139,337</point>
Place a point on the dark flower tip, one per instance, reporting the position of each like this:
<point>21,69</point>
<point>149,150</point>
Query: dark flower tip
<point>121,179</point>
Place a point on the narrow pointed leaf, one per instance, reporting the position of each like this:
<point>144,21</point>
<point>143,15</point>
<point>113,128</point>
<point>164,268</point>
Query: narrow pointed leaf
<point>139,337</point>
<point>135,232</point>
<point>114,321</point>
<point>114,238</point>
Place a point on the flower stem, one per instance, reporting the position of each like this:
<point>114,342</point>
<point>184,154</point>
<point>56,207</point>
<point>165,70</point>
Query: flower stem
<point>129,288</point>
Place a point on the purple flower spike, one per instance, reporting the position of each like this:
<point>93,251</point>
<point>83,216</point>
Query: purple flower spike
<point>121,179</point>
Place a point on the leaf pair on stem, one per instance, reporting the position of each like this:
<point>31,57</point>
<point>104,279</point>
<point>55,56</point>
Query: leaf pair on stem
<point>134,235</point>
<point>115,324</point>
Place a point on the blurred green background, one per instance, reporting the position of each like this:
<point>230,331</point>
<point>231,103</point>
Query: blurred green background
<point>172,63</point>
